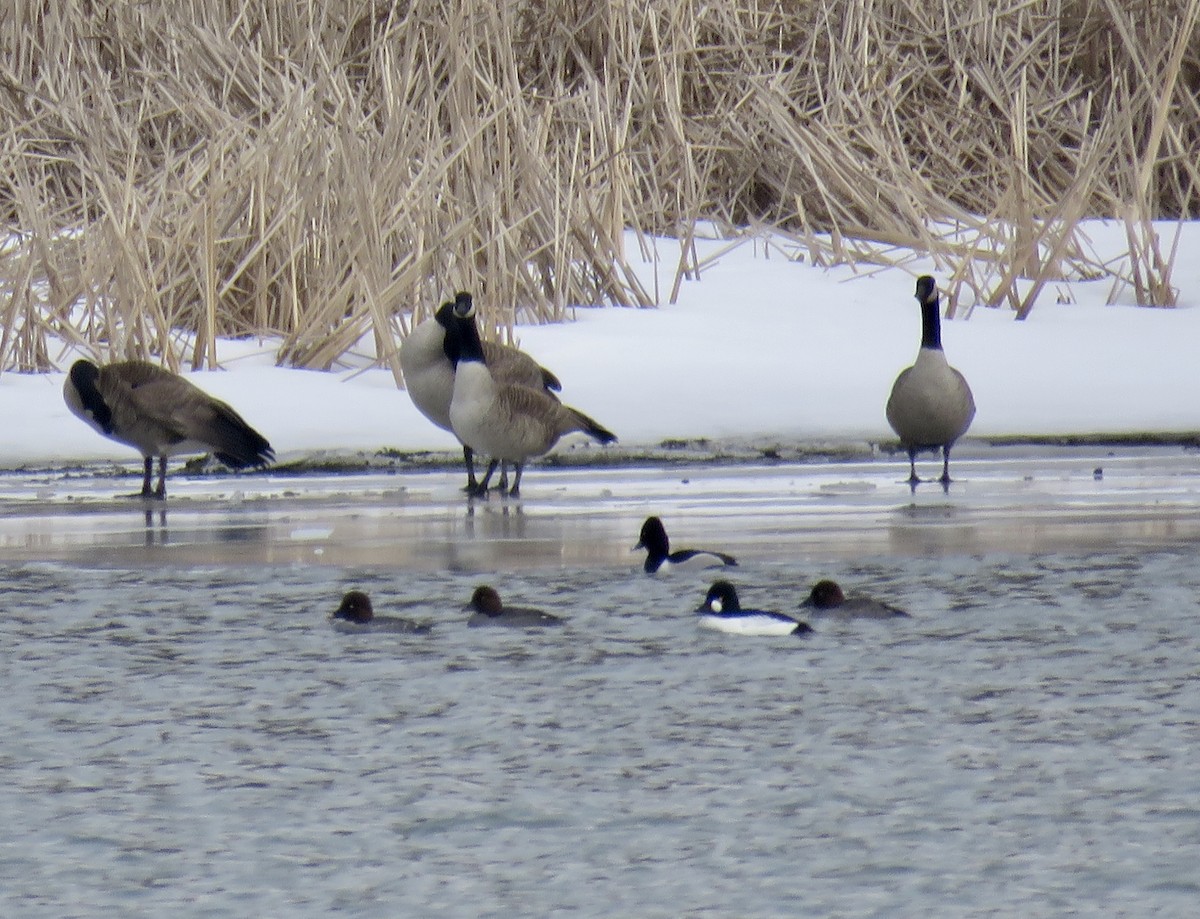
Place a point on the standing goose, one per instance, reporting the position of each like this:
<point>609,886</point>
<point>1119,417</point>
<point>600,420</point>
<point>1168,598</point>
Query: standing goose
<point>428,355</point>
<point>161,414</point>
<point>505,421</point>
<point>931,404</point>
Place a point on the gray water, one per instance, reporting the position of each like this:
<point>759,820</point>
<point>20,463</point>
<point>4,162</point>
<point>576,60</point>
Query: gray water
<point>200,741</point>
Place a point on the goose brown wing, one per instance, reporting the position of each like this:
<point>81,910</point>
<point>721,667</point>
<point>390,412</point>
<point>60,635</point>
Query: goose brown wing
<point>159,409</point>
<point>511,365</point>
<point>234,442</point>
<point>543,409</point>
<point>140,402</point>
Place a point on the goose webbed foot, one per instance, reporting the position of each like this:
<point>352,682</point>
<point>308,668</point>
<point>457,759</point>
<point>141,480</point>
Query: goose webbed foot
<point>515,491</point>
<point>152,494</point>
<point>945,479</point>
<point>472,485</point>
<point>481,490</point>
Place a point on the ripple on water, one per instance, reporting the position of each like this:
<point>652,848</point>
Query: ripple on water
<point>184,736</point>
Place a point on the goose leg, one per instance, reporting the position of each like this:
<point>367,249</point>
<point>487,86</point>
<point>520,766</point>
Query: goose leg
<point>469,461</point>
<point>161,491</point>
<point>481,491</point>
<point>946,464</point>
<point>503,477</point>
<point>912,467</point>
<point>146,492</point>
<point>515,491</point>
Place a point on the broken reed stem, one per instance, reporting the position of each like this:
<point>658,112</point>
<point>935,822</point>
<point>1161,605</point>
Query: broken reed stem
<point>328,171</point>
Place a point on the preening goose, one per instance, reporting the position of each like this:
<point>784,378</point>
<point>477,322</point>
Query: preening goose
<point>931,405</point>
<point>428,356</point>
<point>161,414</point>
<point>505,421</point>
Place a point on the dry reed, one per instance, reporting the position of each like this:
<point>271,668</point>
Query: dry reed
<point>327,171</point>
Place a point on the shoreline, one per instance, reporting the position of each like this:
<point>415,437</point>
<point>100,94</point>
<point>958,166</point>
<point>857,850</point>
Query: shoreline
<point>672,452</point>
<point>1004,499</point>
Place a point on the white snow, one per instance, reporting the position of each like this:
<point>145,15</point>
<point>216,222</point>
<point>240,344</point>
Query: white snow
<point>759,346</point>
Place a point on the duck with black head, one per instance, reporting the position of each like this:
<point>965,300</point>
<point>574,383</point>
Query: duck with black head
<point>722,611</point>
<point>659,557</point>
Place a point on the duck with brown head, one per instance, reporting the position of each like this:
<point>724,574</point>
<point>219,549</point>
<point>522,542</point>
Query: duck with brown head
<point>827,599</point>
<point>356,613</point>
<point>487,609</point>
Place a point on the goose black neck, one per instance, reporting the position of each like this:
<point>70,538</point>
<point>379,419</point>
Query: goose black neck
<point>931,324</point>
<point>451,338</point>
<point>469,344</point>
<point>85,377</point>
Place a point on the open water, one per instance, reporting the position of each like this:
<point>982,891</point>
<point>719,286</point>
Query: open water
<point>187,739</point>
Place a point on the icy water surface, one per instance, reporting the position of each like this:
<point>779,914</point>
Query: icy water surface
<point>185,734</point>
<point>201,741</point>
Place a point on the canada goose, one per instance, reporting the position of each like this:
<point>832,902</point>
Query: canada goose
<point>827,598</point>
<point>359,615</point>
<point>161,414</point>
<point>653,538</point>
<point>721,611</point>
<point>427,358</point>
<point>487,609</point>
<point>505,421</point>
<point>931,404</point>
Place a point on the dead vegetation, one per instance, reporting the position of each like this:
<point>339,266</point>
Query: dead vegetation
<point>329,170</point>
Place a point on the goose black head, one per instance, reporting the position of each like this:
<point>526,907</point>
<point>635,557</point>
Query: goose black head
<point>470,346</point>
<point>931,319</point>
<point>450,340</point>
<point>84,377</point>
<point>926,289</point>
<point>464,305</point>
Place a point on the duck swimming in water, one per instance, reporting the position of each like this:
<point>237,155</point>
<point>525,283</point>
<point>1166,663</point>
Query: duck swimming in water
<point>487,609</point>
<point>722,611</point>
<point>653,538</point>
<point>827,599</point>
<point>356,613</point>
